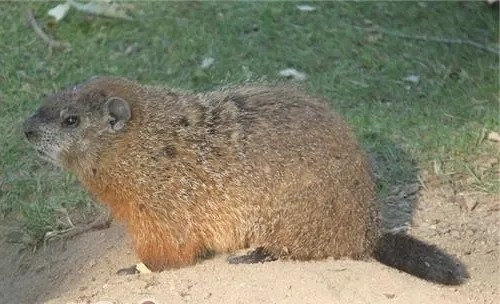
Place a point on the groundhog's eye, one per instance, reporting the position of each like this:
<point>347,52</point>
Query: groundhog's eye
<point>70,122</point>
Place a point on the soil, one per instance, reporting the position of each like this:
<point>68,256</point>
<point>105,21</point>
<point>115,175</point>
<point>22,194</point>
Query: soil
<point>83,269</point>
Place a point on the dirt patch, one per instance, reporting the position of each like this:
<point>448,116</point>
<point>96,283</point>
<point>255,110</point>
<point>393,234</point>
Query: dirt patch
<point>83,269</point>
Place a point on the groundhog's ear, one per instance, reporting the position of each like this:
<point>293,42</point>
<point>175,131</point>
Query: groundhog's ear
<point>117,111</point>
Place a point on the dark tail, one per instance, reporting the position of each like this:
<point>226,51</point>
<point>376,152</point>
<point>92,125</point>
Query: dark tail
<point>417,258</point>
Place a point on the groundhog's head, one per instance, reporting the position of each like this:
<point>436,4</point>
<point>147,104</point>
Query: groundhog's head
<point>70,126</point>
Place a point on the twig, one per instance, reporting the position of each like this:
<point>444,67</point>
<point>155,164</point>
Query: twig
<point>95,225</point>
<point>102,222</point>
<point>30,17</point>
<point>435,39</point>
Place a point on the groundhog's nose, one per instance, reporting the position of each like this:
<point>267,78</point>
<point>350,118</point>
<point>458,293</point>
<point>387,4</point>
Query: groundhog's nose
<point>29,134</point>
<point>29,131</point>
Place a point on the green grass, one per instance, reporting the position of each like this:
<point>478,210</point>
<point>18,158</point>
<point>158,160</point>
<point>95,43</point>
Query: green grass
<point>407,126</point>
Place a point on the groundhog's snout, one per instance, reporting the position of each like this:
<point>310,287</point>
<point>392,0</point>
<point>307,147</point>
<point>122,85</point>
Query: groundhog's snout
<point>30,131</point>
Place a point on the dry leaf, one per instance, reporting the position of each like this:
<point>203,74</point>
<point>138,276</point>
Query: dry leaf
<point>374,38</point>
<point>59,12</point>
<point>105,8</point>
<point>142,268</point>
<point>293,73</point>
<point>493,136</point>
<point>207,62</point>
<point>412,78</point>
<point>305,8</point>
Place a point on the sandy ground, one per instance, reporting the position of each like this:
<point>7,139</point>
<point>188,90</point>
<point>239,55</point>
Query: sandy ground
<point>83,269</point>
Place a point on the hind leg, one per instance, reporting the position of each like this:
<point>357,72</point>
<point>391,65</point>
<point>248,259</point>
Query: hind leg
<point>313,237</point>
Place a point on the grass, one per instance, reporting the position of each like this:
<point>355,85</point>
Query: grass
<point>408,126</point>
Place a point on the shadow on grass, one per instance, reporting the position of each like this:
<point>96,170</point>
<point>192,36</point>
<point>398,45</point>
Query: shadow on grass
<point>396,179</point>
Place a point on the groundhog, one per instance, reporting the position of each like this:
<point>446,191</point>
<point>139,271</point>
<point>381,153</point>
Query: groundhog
<point>252,166</point>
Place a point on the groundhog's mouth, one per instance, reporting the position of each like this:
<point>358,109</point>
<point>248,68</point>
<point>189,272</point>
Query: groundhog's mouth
<point>47,157</point>
<point>44,155</point>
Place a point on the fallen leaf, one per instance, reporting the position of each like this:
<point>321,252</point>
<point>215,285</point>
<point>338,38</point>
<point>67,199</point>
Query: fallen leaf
<point>293,73</point>
<point>207,62</point>
<point>59,12</point>
<point>412,78</point>
<point>358,83</point>
<point>493,136</point>
<point>306,8</point>
<point>200,74</point>
<point>105,8</point>
<point>142,268</point>
<point>374,38</point>
<point>26,87</point>
<point>131,49</point>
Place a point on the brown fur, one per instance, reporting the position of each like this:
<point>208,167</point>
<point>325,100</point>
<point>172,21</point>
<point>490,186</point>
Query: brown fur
<point>194,174</point>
